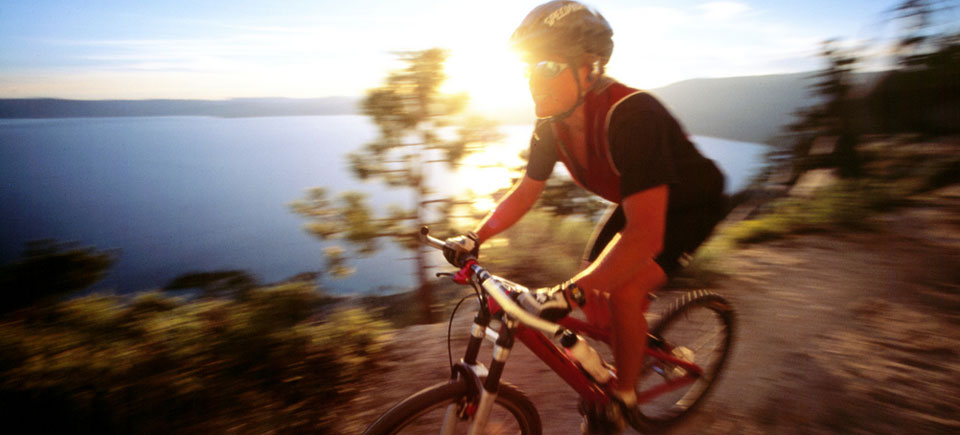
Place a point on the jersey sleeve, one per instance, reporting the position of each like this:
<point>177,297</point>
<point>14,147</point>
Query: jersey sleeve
<point>543,153</point>
<point>640,145</point>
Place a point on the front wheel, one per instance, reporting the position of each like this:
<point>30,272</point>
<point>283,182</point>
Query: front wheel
<point>698,327</point>
<point>425,411</point>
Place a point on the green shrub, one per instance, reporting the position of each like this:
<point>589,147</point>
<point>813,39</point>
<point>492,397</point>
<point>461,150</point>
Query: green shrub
<point>845,204</point>
<point>48,270</point>
<point>161,365</point>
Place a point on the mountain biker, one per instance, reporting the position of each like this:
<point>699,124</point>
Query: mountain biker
<point>623,145</point>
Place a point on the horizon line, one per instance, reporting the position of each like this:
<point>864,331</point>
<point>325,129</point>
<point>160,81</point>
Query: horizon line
<point>361,96</point>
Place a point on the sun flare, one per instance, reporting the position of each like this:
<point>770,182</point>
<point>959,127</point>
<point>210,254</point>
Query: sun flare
<point>493,169</point>
<point>492,77</point>
<point>481,64</point>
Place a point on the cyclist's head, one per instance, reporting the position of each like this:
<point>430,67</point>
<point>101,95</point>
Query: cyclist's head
<point>565,28</point>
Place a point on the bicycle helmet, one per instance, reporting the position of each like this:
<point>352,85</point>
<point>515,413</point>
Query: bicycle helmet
<point>566,28</point>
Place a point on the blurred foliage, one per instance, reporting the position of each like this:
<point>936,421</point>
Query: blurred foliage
<point>49,269</point>
<point>919,94</point>
<point>844,204</point>
<point>401,310</point>
<point>155,364</point>
<point>923,96</point>
<point>920,24</point>
<point>564,197</point>
<point>886,142</point>
<point>531,256</point>
<point>895,170</point>
<point>337,262</point>
<point>418,125</point>
<point>707,266</point>
<point>216,283</point>
<point>833,117</point>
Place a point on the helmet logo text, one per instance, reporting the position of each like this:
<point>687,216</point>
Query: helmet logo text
<point>558,14</point>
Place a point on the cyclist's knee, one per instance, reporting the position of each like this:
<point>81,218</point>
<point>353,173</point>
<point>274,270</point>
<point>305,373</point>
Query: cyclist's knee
<point>649,278</point>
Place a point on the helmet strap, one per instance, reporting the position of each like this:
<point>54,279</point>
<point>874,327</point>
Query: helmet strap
<point>574,68</point>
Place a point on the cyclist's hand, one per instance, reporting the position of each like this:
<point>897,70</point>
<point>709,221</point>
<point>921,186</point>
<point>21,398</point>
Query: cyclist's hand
<point>459,249</point>
<point>548,303</point>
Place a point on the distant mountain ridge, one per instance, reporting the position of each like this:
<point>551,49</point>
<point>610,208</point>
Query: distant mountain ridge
<point>749,109</point>
<point>232,108</point>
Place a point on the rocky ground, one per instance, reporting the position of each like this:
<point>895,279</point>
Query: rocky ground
<point>852,332</point>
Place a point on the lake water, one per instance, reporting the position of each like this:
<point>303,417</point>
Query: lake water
<point>179,194</point>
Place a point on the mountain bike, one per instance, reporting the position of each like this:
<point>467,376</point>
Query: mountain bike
<point>685,351</point>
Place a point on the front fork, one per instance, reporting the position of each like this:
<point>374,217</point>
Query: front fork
<point>479,380</point>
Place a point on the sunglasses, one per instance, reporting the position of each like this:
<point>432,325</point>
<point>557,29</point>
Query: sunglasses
<point>546,69</point>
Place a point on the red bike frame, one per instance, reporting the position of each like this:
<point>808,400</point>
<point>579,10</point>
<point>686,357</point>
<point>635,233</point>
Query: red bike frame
<point>563,366</point>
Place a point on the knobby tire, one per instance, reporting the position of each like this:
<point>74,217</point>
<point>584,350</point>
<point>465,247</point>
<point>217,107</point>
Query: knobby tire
<point>431,402</point>
<point>678,327</point>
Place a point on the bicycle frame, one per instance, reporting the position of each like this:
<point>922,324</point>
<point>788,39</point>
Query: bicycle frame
<point>529,329</point>
<point>587,388</point>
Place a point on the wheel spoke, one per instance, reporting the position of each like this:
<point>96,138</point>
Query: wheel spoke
<point>697,330</point>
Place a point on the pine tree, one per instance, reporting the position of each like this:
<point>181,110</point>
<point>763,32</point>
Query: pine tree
<point>418,126</point>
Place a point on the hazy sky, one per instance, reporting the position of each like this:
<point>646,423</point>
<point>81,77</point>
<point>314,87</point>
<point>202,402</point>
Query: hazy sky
<point>100,49</point>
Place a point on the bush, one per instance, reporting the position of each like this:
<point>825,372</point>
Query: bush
<point>845,204</point>
<point>161,365</point>
<point>48,270</point>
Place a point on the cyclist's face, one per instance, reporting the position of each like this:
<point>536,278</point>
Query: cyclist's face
<point>552,84</point>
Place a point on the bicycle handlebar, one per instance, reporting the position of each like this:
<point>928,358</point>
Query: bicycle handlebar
<point>434,242</point>
<point>495,289</point>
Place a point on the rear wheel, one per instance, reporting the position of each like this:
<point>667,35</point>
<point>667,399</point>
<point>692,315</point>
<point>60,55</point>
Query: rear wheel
<point>698,327</point>
<point>424,412</point>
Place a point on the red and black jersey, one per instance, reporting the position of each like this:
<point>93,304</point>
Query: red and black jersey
<point>633,144</point>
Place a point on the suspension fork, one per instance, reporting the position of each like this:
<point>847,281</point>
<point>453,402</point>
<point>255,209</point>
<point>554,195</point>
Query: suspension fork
<point>491,386</point>
<point>480,381</point>
<point>477,334</point>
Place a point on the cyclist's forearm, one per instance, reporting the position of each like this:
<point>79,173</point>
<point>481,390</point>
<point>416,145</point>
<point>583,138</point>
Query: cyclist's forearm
<point>516,203</point>
<point>617,265</point>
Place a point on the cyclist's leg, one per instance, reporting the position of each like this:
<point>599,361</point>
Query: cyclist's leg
<point>629,327</point>
<point>621,310</point>
<point>610,224</point>
<point>596,310</point>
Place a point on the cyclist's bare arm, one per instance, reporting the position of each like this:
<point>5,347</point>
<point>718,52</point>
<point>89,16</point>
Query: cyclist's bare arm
<point>516,203</point>
<point>641,240</point>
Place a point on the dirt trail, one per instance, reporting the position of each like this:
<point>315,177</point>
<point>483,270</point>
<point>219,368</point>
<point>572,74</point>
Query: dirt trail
<point>849,333</point>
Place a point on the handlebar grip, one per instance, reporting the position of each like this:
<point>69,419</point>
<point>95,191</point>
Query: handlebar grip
<point>499,294</point>
<point>425,237</point>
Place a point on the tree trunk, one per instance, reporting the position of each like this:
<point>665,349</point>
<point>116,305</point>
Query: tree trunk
<point>424,286</point>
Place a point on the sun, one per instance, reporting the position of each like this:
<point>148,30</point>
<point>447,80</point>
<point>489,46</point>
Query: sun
<point>481,65</point>
<point>491,75</point>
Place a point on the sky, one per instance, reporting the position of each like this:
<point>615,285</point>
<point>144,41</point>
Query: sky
<point>197,49</point>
